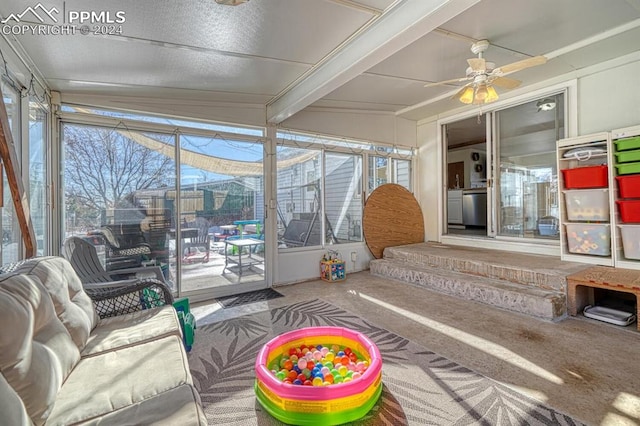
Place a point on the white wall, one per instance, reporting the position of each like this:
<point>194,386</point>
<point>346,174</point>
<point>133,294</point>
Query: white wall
<point>428,182</point>
<point>304,264</point>
<point>609,99</point>
<point>369,126</point>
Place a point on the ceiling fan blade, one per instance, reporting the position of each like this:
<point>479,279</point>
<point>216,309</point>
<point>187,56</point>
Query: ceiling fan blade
<point>477,64</point>
<point>520,65</point>
<point>453,80</point>
<point>506,82</point>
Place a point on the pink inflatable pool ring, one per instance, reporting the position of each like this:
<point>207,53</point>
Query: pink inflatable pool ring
<point>319,375</point>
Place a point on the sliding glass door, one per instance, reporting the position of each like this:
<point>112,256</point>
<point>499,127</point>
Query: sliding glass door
<point>191,203</point>
<point>506,185</point>
<point>527,176</point>
<point>221,219</point>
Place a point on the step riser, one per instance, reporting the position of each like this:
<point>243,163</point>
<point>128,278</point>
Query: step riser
<point>548,308</point>
<point>483,269</point>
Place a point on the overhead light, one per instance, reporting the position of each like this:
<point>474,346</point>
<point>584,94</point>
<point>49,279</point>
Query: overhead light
<point>467,95</point>
<point>546,104</point>
<point>478,94</point>
<point>231,2</point>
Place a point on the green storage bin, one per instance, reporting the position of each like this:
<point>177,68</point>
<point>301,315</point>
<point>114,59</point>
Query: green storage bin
<point>628,168</point>
<point>628,156</point>
<point>628,143</point>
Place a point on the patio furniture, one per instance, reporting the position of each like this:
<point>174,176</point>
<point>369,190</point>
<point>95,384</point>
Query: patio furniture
<point>123,252</point>
<point>63,362</point>
<point>114,291</point>
<point>196,247</point>
<point>236,256</point>
<point>85,261</point>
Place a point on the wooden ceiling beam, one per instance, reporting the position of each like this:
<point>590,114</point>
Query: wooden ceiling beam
<point>12,167</point>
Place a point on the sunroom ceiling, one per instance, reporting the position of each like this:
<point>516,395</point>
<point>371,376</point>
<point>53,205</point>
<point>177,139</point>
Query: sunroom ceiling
<point>372,55</point>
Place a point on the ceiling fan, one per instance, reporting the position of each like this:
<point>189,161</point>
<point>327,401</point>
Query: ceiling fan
<point>482,75</point>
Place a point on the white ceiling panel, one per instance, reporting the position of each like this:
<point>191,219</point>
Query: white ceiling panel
<point>395,93</point>
<point>540,26</point>
<point>126,63</point>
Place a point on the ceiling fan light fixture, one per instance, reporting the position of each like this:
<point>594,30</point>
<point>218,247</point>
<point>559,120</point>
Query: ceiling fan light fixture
<point>481,94</point>
<point>467,95</point>
<point>492,95</point>
<point>546,104</point>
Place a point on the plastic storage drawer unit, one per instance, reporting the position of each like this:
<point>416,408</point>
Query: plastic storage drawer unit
<point>629,186</point>
<point>628,156</point>
<point>630,241</point>
<point>629,210</point>
<point>627,143</point>
<point>628,168</point>
<point>593,239</point>
<point>586,177</point>
<point>587,205</point>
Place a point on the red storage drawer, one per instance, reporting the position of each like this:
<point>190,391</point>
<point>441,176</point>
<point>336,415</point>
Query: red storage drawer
<point>629,211</point>
<point>586,177</point>
<point>629,186</point>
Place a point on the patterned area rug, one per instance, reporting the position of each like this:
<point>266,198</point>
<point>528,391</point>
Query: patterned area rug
<point>420,387</point>
<point>250,297</point>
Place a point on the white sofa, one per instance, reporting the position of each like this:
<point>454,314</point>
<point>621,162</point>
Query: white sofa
<point>62,364</point>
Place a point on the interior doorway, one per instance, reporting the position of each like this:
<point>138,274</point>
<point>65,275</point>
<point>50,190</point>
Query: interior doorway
<point>466,181</point>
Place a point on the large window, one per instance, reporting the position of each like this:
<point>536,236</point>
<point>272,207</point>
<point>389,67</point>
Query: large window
<point>343,197</point>
<point>320,195</point>
<point>389,170</point>
<point>37,172</point>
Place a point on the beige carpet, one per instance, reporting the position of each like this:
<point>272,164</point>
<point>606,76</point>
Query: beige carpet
<point>420,387</point>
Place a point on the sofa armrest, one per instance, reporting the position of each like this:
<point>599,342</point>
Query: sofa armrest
<point>122,297</point>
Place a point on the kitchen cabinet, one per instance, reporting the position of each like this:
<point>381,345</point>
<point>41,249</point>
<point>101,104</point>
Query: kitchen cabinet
<point>454,207</point>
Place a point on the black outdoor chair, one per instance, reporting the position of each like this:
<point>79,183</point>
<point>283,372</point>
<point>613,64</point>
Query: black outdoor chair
<point>196,248</point>
<point>116,292</point>
<point>122,253</point>
<point>83,256</point>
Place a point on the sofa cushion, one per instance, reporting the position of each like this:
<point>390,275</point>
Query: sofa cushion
<point>73,305</point>
<point>178,406</point>
<point>113,380</point>
<point>131,329</point>
<point>11,406</point>
<point>36,351</point>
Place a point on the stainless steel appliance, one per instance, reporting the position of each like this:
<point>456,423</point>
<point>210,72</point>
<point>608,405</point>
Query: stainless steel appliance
<point>474,207</point>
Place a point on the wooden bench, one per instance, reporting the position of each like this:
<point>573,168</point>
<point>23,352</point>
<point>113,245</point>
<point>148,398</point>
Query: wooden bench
<point>581,284</point>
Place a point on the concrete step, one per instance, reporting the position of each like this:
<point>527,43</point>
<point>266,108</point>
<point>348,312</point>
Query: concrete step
<point>545,272</point>
<point>525,299</point>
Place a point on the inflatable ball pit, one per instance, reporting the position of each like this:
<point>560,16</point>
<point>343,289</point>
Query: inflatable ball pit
<point>326,404</point>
